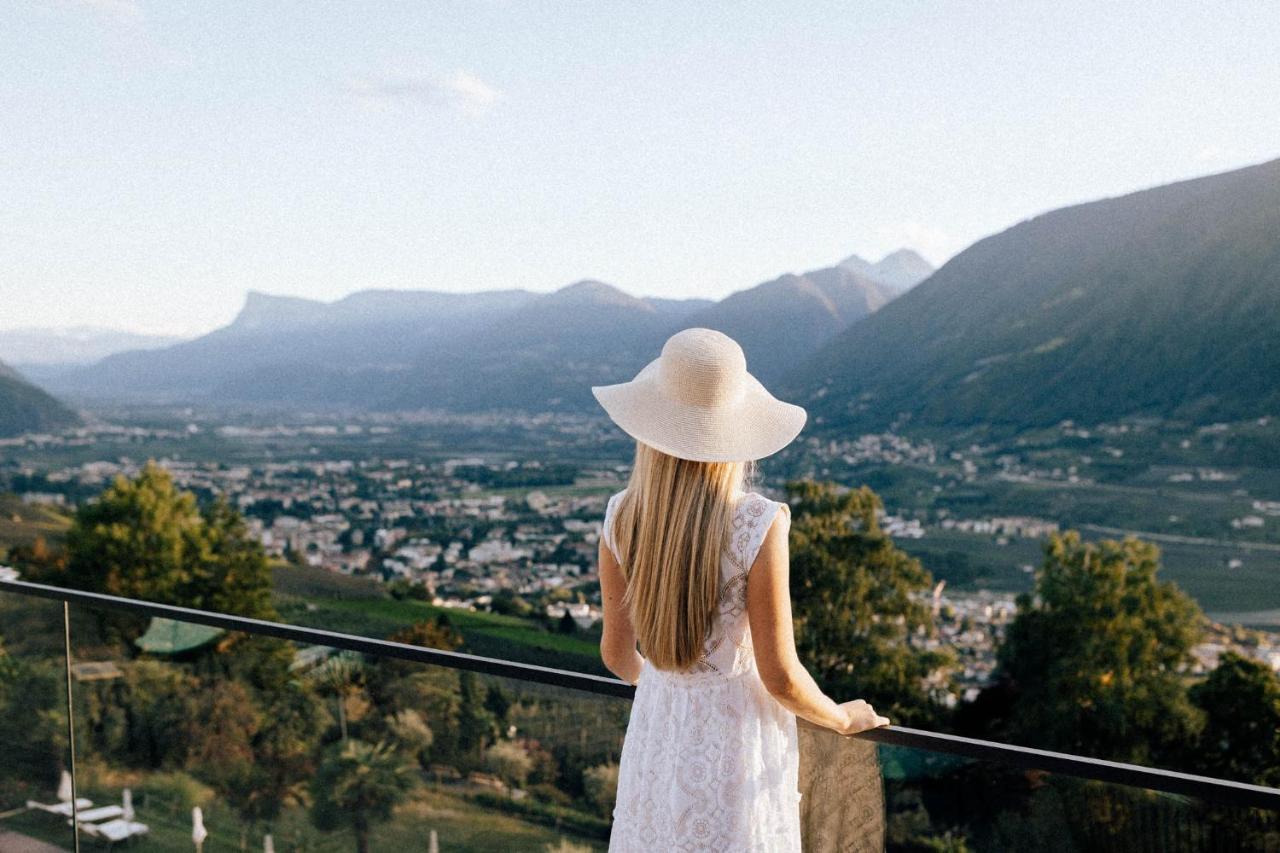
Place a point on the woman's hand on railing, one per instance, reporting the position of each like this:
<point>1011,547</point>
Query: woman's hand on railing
<point>859,716</point>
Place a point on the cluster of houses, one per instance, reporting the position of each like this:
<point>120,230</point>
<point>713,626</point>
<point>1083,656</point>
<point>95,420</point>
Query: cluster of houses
<point>872,448</point>
<point>527,543</point>
<point>973,625</point>
<point>1021,526</point>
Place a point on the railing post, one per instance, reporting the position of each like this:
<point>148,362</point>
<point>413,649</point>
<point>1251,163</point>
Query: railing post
<point>71,725</point>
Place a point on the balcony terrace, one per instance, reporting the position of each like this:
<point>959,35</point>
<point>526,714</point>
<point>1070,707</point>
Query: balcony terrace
<point>896,788</point>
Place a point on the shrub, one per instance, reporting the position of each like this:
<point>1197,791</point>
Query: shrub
<point>176,793</point>
<point>509,762</point>
<point>601,784</point>
<point>550,794</point>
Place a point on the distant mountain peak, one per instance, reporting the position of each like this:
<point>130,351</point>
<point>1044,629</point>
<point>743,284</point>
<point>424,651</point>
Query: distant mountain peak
<point>905,256</point>
<point>592,292</point>
<point>858,264</point>
<point>782,321</point>
<point>899,270</point>
<point>266,310</point>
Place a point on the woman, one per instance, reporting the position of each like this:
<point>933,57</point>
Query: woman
<point>694,568</point>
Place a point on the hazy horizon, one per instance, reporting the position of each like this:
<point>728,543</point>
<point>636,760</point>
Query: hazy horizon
<point>89,328</point>
<point>164,159</point>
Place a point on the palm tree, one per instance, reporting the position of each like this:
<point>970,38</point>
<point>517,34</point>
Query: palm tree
<point>358,785</point>
<point>341,675</point>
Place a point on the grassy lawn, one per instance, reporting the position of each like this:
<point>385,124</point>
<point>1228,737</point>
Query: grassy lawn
<point>460,824</point>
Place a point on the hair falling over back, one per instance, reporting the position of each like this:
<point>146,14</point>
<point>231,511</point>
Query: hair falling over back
<point>671,527</point>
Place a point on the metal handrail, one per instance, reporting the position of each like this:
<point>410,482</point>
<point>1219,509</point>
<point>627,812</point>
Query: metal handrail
<point>1222,791</point>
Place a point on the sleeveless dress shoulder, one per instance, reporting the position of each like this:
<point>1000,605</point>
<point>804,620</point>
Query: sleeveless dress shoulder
<point>711,761</point>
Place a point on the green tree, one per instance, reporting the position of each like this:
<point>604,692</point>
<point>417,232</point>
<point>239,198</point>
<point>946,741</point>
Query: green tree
<point>399,686</point>
<point>1097,659</point>
<point>1241,735</point>
<point>144,538</point>
<point>358,785</point>
<point>509,762</point>
<point>230,573</point>
<point>857,607</point>
<point>219,735</point>
<point>33,723</point>
<point>283,749</point>
<point>476,725</point>
<point>411,731</point>
<point>136,540</point>
<point>498,703</point>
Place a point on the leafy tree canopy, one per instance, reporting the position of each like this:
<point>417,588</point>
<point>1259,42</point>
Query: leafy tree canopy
<point>856,603</point>
<point>1097,658</point>
<point>144,538</point>
<point>1241,735</point>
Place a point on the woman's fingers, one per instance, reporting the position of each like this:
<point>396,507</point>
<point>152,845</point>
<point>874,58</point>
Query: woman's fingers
<point>861,717</point>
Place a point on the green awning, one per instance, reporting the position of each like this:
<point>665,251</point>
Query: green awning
<point>168,637</point>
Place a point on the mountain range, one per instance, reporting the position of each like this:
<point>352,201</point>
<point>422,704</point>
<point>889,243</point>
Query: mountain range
<point>510,349</point>
<point>1163,302</point>
<point>1159,303</point>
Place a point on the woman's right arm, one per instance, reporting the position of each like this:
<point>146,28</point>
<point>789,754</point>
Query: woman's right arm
<point>618,638</point>
<point>769,612</point>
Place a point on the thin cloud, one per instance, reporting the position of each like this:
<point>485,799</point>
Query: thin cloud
<point>460,90</point>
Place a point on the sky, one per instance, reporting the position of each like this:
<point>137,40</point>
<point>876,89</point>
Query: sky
<point>160,159</point>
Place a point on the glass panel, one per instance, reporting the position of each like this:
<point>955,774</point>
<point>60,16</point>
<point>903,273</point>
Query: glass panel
<point>35,782</point>
<point>862,796</point>
<point>330,750</point>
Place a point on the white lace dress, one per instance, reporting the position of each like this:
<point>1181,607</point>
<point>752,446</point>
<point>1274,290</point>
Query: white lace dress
<point>711,760</point>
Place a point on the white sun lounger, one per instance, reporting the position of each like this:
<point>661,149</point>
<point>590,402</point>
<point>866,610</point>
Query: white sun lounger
<point>100,813</point>
<point>63,809</point>
<point>115,830</point>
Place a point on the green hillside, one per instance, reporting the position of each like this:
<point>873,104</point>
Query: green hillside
<point>25,408</point>
<point>487,634</point>
<point>22,524</point>
<point>1164,302</point>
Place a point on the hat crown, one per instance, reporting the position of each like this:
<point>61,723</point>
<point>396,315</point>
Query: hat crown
<point>703,367</point>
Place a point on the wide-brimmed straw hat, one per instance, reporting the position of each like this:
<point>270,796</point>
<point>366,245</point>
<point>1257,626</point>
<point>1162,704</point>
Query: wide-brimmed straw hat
<point>697,401</point>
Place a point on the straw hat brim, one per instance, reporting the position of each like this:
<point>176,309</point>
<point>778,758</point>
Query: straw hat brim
<point>753,426</point>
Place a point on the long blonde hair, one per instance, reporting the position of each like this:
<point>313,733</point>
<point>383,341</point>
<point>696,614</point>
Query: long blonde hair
<point>671,527</point>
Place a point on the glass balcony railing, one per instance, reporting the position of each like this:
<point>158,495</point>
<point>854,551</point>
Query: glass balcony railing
<point>36,783</point>
<point>299,739</point>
